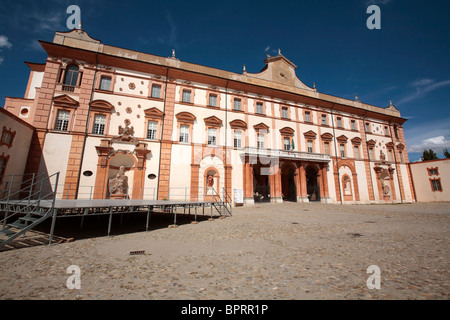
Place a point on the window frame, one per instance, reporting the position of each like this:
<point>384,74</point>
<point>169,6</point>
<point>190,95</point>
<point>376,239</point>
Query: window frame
<point>58,111</point>
<point>436,185</point>
<point>94,124</point>
<point>154,130</point>
<point>7,133</point>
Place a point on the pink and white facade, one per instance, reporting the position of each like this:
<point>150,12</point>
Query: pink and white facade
<point>181,129</point>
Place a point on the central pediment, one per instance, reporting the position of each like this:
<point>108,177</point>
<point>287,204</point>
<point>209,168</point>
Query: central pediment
<point>282,70</point>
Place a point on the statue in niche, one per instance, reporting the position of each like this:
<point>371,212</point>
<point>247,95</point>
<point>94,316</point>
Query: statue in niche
<point>210,181</point>
<point>385,188</point>
<point>347,187</point>
<point>119,184</point>
<point>382,156</point>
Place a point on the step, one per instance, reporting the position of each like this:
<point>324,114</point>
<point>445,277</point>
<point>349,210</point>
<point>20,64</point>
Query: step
<point>17,224</point>
<point>29,219</point>
<point>7,232</point>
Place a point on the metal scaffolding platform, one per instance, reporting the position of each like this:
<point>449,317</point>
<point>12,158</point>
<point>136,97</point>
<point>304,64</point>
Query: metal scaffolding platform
<point>29,212</point>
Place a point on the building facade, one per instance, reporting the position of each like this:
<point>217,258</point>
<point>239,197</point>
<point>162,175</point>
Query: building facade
<point>178,130</point>
<point>15,140</point>
<point>431,180</point>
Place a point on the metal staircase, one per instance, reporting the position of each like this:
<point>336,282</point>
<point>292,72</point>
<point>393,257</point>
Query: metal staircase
<point>224,204</point>
<point>21,206</point>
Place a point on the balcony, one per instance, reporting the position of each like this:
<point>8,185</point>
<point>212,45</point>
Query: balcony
<point>290,155</point>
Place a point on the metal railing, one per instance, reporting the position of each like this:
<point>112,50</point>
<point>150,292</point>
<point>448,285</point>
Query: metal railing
<point>22,194</point>
<point>68,191</point>
<point>277,153</point>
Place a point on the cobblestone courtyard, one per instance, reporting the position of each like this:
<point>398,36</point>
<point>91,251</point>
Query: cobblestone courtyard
<point>285,251</point>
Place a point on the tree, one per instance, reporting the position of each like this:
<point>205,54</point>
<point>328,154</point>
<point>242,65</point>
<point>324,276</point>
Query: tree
<point>446,153</point>
<point>429,155</point>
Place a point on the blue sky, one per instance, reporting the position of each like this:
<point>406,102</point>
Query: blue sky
<point>406,61</point>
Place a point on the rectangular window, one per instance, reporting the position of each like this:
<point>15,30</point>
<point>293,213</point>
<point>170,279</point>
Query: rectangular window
<point>152,130</point>
<point>237,104</point>
<point>184,133</point>
<point>386,131</point>
<point>186,96</point>
<point>396,132</point>
<point>400,154</point>
<point>99,124</point>
<point>367,127</point>
<point>237,139</point>
<point>339,122</point>
<point>433,172</point>
<point>310,146</point>
<point>371,154</point>
<point>105,83</point>
<point>259,108</point>
<point>260,141</point>
<point>353,122</point>
<point>436,184</point>
<point>213,100</point>
<point>7,138</point>
<point>390,156</point>
<point>324,120</point>
<point>284,113</point>
<point>356,151</point>
<point>156,91</point>
<point>62,121</point>
<point>342,150</point>
<point>287,144</point>
<point>327,147</point>
<point>212,137</point>
<point>307,116</point>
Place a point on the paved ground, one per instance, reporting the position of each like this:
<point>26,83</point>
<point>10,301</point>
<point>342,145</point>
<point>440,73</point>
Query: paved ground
<point>286,251</point>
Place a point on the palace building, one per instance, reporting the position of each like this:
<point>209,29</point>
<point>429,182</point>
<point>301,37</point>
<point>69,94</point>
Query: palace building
<point>177,130</point>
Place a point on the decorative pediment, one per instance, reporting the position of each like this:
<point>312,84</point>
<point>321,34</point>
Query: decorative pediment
<point>310,134</point>
<point>154,113</point>
<point>371,143</point>
<point>101,105</point>
<point>213,121</point>
<point>356,141</point>
<point>238,124</point>
<point>185,117</point>
<point>286,131</point>
<point>400,146</point>
<point>65,101</point>
<point>390,145</point>
<point>342,139</point>
<point>261,126</point>
<point>327,136</point>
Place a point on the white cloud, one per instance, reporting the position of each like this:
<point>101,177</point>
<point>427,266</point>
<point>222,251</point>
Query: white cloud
<point>421,88</point>
<point>4,42</point>
<point>267,49</point>
<point>436,143</point>
<point>1,60</point>
<point>428,135</point>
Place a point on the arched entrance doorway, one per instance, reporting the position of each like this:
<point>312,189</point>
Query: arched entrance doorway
<point>312,184</point>
<point>261,186</point>
<point>288,186</point>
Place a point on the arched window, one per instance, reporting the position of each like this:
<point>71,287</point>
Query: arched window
<point>71,77</point>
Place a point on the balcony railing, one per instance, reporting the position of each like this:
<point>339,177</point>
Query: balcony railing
<point>294,155</point>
